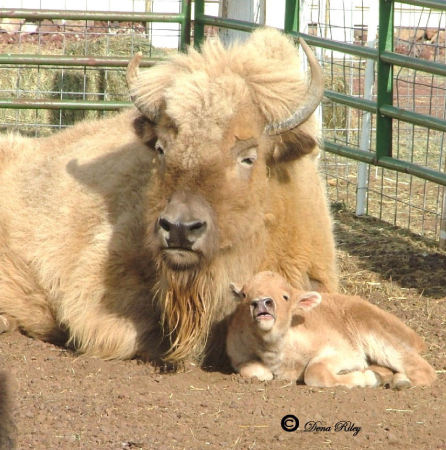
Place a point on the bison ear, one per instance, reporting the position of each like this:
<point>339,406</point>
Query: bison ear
<point>145,130</point>
<point>307,300</point>
<point>292,145</point>
<point>237,291</point>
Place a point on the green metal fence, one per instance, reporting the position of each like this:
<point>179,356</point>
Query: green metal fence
<point>23,60</point>
<point>391,120</point>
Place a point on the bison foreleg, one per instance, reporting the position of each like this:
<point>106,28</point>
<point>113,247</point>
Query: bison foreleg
<point>256,369</point>
<point>23,304</point>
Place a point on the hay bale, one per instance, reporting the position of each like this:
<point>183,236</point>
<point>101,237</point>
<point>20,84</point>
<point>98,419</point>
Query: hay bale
<point>334,115</point>
<point>94,84</point>
<point>98,84</point>
<point>25,83</point>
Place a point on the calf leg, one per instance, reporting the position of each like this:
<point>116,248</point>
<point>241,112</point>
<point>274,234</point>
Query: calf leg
<point>386,375</point>
<point>325,373</point>
<point>391,379</point>
<point>400,381</point>
<point>418,370</point>
<point>410,369</point>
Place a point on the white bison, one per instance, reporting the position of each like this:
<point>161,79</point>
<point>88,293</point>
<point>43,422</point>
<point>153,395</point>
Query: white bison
<point>119,237</point>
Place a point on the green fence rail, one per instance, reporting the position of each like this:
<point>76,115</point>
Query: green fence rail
<point>183,18</point>
<point>384,57</point>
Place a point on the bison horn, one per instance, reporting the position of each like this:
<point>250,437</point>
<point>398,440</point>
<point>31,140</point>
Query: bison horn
<point>132,76</point>
<point>315,92</point>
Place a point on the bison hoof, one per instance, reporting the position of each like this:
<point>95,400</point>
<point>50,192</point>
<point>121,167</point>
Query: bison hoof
<point>4,324</point>
<point>256,370</point>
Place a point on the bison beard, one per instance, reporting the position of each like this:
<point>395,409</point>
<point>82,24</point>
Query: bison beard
<point>187,311</point>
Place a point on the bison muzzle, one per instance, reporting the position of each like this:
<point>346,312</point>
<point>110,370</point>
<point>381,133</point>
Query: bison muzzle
<point>187,235</point>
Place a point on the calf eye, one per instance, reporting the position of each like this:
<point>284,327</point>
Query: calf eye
<point>285,297</point>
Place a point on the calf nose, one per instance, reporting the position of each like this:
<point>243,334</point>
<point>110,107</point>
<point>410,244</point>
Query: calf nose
<point>263,305</point>
<point>181,234</point>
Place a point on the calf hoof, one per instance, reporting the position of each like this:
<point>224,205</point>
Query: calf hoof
<point>400,382</point>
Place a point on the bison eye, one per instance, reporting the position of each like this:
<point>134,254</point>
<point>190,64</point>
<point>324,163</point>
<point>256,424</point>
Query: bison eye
<point>248,161</point>
<point>248,157</point>
<point>285,297</point>
<point>159,149</point>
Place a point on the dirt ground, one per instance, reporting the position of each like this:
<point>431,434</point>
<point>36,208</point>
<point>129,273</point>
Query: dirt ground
<point>60,400</point>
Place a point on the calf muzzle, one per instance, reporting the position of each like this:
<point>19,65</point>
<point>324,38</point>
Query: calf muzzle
<point>263,308</point>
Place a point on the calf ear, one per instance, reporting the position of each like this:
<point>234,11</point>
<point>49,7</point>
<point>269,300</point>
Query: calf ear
<point>307,300</point>
<point>292,145</point>
<point>237,291</point>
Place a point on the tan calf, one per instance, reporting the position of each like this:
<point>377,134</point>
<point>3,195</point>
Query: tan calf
<point>321,339</point>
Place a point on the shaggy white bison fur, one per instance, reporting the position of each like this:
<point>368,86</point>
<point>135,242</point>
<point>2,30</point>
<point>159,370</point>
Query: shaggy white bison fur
<point>120,236</point>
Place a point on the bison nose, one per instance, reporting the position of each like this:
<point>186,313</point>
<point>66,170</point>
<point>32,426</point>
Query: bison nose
<point>181,234</point>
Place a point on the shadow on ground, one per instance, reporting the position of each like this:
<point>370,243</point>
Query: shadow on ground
<point>395,254</point>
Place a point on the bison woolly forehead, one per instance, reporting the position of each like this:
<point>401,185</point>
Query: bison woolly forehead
<point>207,89</point>
<point>218,120</point>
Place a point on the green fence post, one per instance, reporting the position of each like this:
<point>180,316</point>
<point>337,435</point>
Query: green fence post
<point>198,24</point>
<point>291,16</point>
<point>185,24</point>
<point>385,80</point>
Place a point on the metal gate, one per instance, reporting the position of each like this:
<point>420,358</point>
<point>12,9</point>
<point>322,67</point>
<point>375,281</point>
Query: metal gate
<point>383,116</point>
